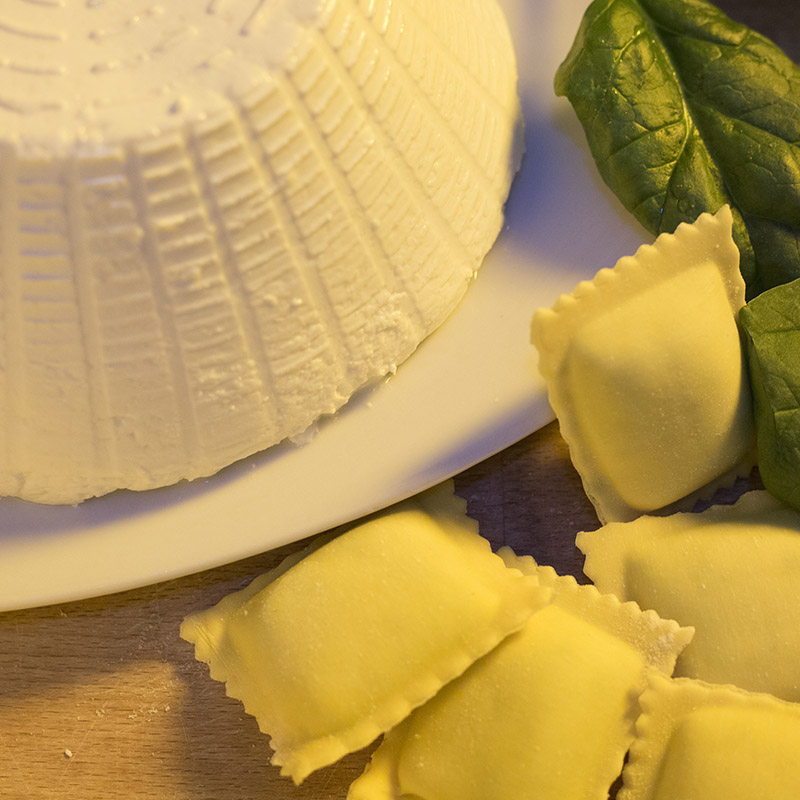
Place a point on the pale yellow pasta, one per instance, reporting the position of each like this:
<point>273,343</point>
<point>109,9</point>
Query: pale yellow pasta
<point>333,648</point>
<point>731,572</point>
<point>700,741</point>
<point>548,714</point>
<point>645,371</point>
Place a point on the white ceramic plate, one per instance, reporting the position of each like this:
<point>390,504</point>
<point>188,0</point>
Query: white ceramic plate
<point>470,390</point>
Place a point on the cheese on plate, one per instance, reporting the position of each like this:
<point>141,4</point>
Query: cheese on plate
<point>219,219</point>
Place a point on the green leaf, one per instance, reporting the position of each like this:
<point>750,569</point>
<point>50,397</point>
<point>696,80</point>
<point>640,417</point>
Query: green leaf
<point>685,110</point>
<point>771,325</point>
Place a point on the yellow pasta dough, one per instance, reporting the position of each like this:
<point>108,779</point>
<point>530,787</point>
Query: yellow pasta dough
<point>645,371</point>
<point>731,572</point>
<point>547,714</point>
<point>698,741</point>
<point>337,646</point>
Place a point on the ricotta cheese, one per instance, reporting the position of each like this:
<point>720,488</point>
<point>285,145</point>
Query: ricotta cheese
<point>219,218</point>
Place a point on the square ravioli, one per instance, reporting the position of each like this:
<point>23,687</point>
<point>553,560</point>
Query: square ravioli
<point>645,371</point>
<point>730,572</point>
<point>547,714</point>
<point>340,643</point>
<point>699,741</point>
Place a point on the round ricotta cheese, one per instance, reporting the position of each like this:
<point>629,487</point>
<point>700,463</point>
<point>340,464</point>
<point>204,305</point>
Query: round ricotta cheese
<point>219,218</point>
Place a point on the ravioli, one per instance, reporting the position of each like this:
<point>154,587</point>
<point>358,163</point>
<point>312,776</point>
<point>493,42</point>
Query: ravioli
<point>645,371</point>
<point>731,572</point>
<point>697,741</point>
<point>549,713</point>
<point>337,645</point>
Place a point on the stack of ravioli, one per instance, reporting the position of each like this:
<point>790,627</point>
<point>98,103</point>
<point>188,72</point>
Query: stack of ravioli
<point>647,374</point>
<point>490,676</point>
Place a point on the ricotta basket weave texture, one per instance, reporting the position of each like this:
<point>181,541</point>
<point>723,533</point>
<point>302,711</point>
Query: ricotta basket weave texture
<point>219,218</point>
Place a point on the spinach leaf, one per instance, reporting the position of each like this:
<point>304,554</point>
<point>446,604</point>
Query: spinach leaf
<point>685,110</point>
<point>771,324</point>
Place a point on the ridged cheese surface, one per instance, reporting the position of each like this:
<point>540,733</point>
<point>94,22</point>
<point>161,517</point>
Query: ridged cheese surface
<point>219,218</point>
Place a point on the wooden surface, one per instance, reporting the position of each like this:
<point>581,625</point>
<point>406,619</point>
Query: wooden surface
<point>101,699</point>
